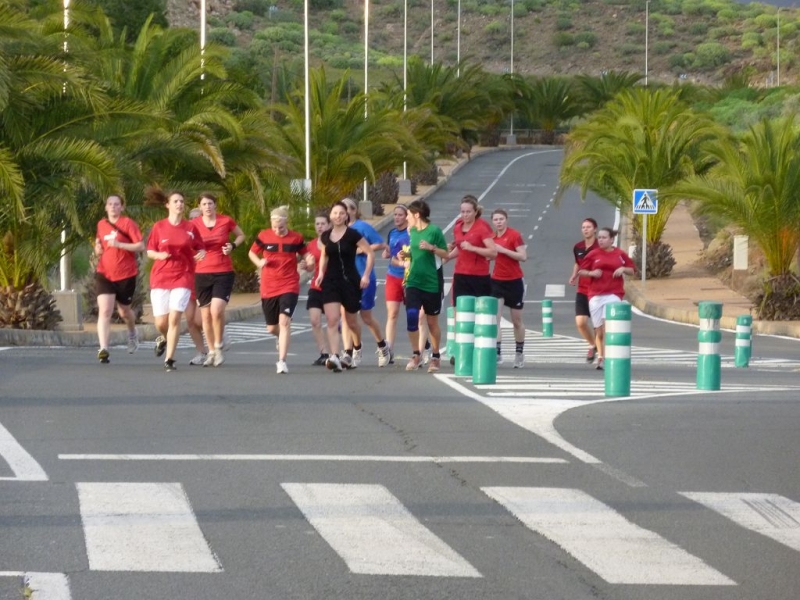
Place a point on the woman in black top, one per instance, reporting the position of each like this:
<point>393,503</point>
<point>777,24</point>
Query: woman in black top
<point>340,282</point>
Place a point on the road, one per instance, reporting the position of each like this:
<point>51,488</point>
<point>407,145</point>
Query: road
<point>123,482</point>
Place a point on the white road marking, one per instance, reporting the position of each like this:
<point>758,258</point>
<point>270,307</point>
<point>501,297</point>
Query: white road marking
<point>374,533</point>
<point>43,586</point>
<point>142,527</point>
<point>616,549</point>
<point>771,515</point>
<point>23,465</point>
<point>315,458</point>
<point>554,290</point>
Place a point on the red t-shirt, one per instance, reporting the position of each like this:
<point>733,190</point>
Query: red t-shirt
<point>314,250</point>
<point>279,276</point>
<point>214,239</point>
<point>182,241</point>
<point>607,261</point>
<point>580,251</point>
<point>506,268</point>
<point>467,262</point>
<point>116,264</point>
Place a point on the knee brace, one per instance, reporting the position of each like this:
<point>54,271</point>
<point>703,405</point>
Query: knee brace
<point>412,319</point>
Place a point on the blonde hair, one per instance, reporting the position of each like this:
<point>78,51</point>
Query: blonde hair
<point>282,212</point>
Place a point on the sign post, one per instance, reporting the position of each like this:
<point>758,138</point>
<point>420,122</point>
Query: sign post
<point>645,202</point>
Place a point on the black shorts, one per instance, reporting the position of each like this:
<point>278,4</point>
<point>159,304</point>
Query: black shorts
<point>511,291</point>
<point>278,305</point>
<point>314,299</point>
<point>344,293</point>
<point>431,302</point>
<point>582,305</point>
<point>213,285</point>
<point>123,290</point>
<point>471,285</point>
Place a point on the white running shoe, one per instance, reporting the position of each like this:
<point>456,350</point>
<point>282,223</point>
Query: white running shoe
<point>209,361</point>
<point>133,343</point>
<point>519,360</point>
<point>347,361</point>
<point>281,367</point>
<point>161,345</point>
<point>219,357</point>
<point>333,363</point>
<point>384,356</point>
<point>198,360</point>
<point>357,356</point>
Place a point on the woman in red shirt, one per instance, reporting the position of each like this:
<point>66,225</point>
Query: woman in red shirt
<point>473,249</point>
<point>175,245</point>
<point>508,282</point>
<point>214,276</point>
<point>606,266</point>
<point>117,242</point>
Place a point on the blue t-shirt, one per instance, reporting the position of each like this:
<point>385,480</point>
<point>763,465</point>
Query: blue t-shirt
<point>368,232</point>
<point>396,240</point>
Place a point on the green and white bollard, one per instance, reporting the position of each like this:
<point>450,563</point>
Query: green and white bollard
<point>547,318</point>
<point>709,363</point>
<point>617,364</point>
<point>744,332</point>
<point>451,331</point>
<point>484,361</point>
<point>465,335</point>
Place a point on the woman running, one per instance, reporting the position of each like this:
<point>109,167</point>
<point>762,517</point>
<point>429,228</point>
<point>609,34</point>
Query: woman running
<point>341,283</point>
<point>582,313</point>
<point>314,303</point>
<point>175,245</point>
<point>606,266</point>
<point>427,249</point>
<point>508,282</point>
<point>395,296</point>
<point>117,242</point>
<point>276,251</point>
<point>214,276</point>
<point>369,295</point>
<point>194,320</point>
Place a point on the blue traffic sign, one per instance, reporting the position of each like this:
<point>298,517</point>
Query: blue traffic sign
<point>645,202</point>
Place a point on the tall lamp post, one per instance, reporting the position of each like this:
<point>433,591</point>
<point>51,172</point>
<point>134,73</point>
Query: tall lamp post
<point>458,42</point>
<point>511,140</point>
<point>366,74</point>
<point>431,32</point>
<point>307,106</point>
<point>646,38</point>
<point>404,185</point>
<point>202,39</point>
<point>778,47</point>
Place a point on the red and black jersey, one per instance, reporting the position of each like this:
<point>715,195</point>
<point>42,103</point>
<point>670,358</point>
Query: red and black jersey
<point>580,250</point>
<point>279,276</point>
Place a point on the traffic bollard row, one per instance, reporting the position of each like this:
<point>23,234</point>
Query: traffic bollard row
<point>617,364</point>
<point>743,351</point>
<point>547,318</point>
<point>709,363</point>
<point>484,362</point>
<point>465,335</point>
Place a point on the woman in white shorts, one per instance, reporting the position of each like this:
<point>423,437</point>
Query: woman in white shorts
<point>605,265</point>
<point>174,244</point>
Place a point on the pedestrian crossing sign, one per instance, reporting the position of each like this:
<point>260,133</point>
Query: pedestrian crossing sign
<point>645,202</point>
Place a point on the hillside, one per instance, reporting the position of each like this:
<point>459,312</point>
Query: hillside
<point>697,40</point>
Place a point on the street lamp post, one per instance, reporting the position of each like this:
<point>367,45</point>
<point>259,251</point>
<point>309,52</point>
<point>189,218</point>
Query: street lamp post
<point>366,73</point>
<point>307,108</point>
<point>431,32</point>
<point>778,47</point>
<point>202,39</point>
<point>458,42</point>
<point>646,38</point>
<point>404,185</point>
<point>511,140</point>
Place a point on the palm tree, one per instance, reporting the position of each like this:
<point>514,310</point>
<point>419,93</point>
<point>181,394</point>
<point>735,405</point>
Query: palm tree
<point>553,101</point>
<point>755,185</point>
<point>642,139</point>
<point>596,91</point>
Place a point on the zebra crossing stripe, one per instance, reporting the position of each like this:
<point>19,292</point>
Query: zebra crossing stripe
<point>771,515</point>
<point>142,527</point>
<point>374,533</point>
<point>42,586</point>
<point>617,550</point>
<point>23,465</point>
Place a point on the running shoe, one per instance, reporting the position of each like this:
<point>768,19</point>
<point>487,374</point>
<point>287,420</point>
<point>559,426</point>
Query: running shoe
<point>226,342</point>
<point>333,363</point>
<point>209,361</point>
<point>383,356</point>
<point>391,356</point>
<point>414,363</point>
<point>347,361</point>
<point>199,360</point>
<point>600,363</point>
<point>219,357</point>
<point>519,360</point>
<point>169,365</point>
<point>435,365</point>
<point>103,356</point>
<point>133,343</point>
<point>452,361</point>
<point>323,358</point>
<point>591,354</point>
<point>281,367</point>
<point>357,356</point>
<point>499,359</point>
<point>161,345</point>
<point>426,356</point>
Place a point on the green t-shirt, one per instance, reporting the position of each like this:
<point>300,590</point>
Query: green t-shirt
<point>423,273</point>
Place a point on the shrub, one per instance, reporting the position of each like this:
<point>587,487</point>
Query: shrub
<point>766,21</point>
<point>751,39</point>
<point>583,46</point>
<point>562,39</point>
<point>520,10</point>
<point>698,28</point>
<point>635,30</point>
<point>495,28</point>
<point>563,23</point>
<point>663,47</point>
<point>628,49</point>
<point>717,33</point>
<point>490,10</point>
<point>392,11</point>
<point>727,14</point>
<point>222,35</point>
<point>325,4</point>
<point>350,28</point>
<point>532,5</point>
<point>338,14</point>
<point>585,37</point>
<point>241,20</point>
<point>257,7</point>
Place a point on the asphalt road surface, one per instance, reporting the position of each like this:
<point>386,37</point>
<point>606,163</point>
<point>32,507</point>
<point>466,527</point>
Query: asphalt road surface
<point>124,482</point>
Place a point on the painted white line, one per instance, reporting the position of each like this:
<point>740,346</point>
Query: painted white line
<point>23,465</point>
<point>554,290</point>
<point>771,515</point>
<point>42,586</point>
<point>315,458</point>
<point>616,549</point>
<point>142,527</point>
<point>374,533</point>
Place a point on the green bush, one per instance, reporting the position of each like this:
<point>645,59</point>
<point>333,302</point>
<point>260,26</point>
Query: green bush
<point>350,28</point>
<point>330,27</point>
<point>727,14</point>
<point>583,46</point>
<point>698,28</point>
<point>717,33</point>
<point>326,4</point>
<point>765,21</point>
<point>677,61</point>
<point>628,49</point>
<point>751,39</point>
<point>563,23</point>
<point>338,15</point>
<point>585,37</point>
<point>257,7</point>
<point>635,30</point>
<point>241,20</point>
<point>562,39</point>
<point>495,28</point>
<point>533,5</point>
<point>392,11</point>
<point>663,47</point>
<point>490,10</point>
<point>132,15</point>
<point>222,35</point>
<point>520,10</point>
